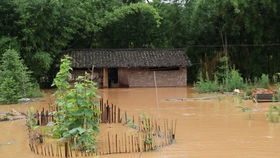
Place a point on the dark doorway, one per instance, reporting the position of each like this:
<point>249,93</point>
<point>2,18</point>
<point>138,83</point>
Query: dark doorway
<point>113,77</point>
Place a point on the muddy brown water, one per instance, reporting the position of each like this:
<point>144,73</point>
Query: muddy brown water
<point>205,128</point>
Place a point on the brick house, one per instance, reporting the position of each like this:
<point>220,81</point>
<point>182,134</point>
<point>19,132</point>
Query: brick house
<point>132,67</point>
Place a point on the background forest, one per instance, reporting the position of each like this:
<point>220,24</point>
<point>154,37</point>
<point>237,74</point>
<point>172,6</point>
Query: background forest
<point>246,30</point>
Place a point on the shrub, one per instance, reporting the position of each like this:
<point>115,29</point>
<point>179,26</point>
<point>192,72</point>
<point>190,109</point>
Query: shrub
<point>76,121</point>
<point>223,69</point>
<point>263,82</point>
<point>226,79</point>
<point>34,91</point>
<point>9,91</point>
<point>234,81</point>
<point>206,86</point>
<point>273,114</point>
<point>14,72</point>
<point>248,91</point>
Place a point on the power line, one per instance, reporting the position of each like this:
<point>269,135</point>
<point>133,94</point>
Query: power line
<point>236,45</point>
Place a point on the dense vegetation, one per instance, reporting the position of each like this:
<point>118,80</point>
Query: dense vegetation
<point>75,121</point>
<point>15,81</point>
<point>227,79</point>
<point>248,30</point>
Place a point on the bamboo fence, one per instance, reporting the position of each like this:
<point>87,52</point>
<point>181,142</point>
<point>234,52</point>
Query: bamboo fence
<point>149,134</point>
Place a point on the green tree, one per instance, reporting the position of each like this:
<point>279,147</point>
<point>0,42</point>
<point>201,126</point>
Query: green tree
<point>42,29</point>
<point>9,91</point>
<point>76,121</point>
<point>131,26</point>
<point>234,22</point>
<point>15,79</point>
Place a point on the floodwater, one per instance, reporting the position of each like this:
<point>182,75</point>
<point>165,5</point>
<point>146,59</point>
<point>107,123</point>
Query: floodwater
<point>205,128</point>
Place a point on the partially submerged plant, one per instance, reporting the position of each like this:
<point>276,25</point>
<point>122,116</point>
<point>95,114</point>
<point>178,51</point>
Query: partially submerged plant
<point>76,121</point>
<point>130,123</point>
<point>206,85</point>
<point>226,79</point>
<point>147,129</point>
<point>273,114</point>
<point>276,79</point>
<point>30,120</point>
<point>148,140</point>
<point>246,109</point>
<point>263,82</point>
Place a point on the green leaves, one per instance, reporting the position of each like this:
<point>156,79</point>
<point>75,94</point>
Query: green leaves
<point>130,26</point>
<point>15,79</point>
<point>8,91</point>
<point>273,114</point>
<point>42,29</point>
<point>76,120</point>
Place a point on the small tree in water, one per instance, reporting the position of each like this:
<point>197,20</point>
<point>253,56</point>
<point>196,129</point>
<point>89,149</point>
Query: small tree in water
<point>15,79</point>
<point>76,121</point>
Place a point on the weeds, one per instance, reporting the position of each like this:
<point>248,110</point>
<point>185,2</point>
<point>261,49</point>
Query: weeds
<point>147,129</point>
<point>273,114</point>
<point>246,109</point>
<point>228,84</point>
<point>130,123</point>
<point>263,82</point>
<point>233,81</point>
<point>30,120</point>
<point>227,79</point>
<point>206,86</point>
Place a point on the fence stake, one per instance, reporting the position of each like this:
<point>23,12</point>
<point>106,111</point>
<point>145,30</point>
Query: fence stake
<point>119,115</point>
<point>109,144</point>
<point>116,143</point>
<point>52,150</point>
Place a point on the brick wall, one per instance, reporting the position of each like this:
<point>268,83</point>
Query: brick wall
<point>168,78</point>
<point>96,76</point>
<point>123,77</point>
<point>141,77</point>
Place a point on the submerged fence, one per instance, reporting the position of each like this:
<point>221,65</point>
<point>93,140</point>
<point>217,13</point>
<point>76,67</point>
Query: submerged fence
<point>110,113</point>
<point>112,144</point>
<point>144,134</point>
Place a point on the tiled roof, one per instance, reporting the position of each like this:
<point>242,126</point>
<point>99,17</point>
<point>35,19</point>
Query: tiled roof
<point>110,58</point>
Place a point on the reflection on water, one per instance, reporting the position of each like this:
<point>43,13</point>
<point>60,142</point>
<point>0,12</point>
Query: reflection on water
<point>206,129</point>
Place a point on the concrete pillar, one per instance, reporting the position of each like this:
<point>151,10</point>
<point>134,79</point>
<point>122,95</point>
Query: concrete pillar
<point>105,78</point>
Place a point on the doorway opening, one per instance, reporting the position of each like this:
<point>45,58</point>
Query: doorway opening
<point>113,78</point>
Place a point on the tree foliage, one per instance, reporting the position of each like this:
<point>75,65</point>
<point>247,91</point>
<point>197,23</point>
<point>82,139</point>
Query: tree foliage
<point>132,26</point>
<point>76,121</point>
<point>42,29</point>
<point>15,79</point>
<point>245,24</point>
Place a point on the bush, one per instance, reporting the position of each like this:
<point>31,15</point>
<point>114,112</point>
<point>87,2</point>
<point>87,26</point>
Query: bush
<point>9,91</point>
<point>206,86</point>
<point>15,80</point>
<point>226,79</point>
<point>76,120</point>
<point>273,114</point>
<point>263,82</point>
<point>34,91</point>
<point>233,81</point>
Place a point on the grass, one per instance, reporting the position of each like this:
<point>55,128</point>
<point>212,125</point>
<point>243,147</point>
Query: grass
<point>206,86</point>
<point>273,114</point>
<point>227,84</point>
<point>262,82</point>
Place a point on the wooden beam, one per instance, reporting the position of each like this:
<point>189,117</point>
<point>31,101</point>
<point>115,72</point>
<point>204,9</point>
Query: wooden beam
<point>105,78</point>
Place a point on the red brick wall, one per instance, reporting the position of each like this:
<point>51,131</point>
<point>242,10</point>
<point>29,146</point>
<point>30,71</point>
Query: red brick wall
<point>136,77</point>
<point>96,76</point>
<point>123,77</point>
<point>168,78</point>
